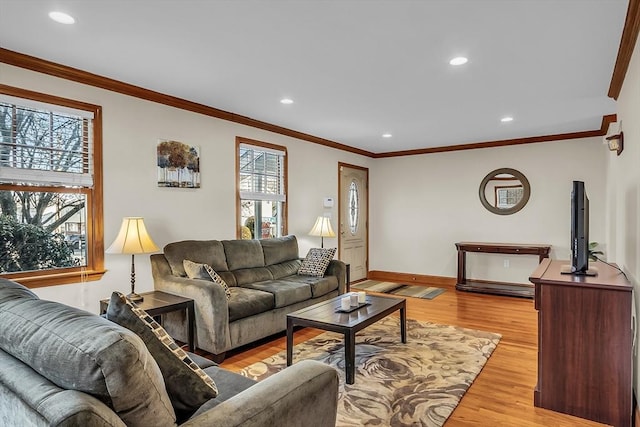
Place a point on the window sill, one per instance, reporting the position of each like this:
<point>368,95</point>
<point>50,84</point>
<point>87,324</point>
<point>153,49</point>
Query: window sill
<point>33,280</point>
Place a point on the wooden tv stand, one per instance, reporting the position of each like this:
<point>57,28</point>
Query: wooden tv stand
<point>585,338</point>
<point>493,287</point>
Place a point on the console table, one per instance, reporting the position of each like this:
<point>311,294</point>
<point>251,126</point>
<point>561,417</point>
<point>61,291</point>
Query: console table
<point>585,338</point>
<point>492,287</point>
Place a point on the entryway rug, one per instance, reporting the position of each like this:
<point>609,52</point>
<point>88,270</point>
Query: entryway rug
<point>414,384</point>
<point>401,289</point>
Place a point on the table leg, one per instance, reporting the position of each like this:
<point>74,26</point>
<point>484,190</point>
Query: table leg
<point>191,325</point>
<point>103,307</point>
<point>462,267</point>
<point>289,341</point>
<point>350,356</point>
<point>403,323</point>
<point>348,278</point>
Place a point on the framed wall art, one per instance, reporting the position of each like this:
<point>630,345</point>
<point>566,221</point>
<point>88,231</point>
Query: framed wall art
<point>178,164</point>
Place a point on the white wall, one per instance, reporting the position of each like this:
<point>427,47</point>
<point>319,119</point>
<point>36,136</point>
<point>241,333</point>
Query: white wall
<point>422,205</point>
<point>419,205</point>
<point>131,130</point>
<point>623,187</point>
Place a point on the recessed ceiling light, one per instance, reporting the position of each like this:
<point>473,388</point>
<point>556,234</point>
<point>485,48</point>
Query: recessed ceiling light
<point>286,101</point>
<point>386,135</point>
<point>62,17</point>
<point>458,60</point>
<point>506,119</point>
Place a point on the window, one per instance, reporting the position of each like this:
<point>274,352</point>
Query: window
<point>262,189</point>
<point>354,207</point>
<point>508,196</point>
<point>50,189</point>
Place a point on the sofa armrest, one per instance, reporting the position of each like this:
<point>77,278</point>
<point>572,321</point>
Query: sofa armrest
<point>211,308</point>
<point>28,398</point>
<point>304,393</point>
<point>339,269</point>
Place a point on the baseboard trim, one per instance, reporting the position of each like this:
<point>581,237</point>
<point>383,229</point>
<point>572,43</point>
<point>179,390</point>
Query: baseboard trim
<point>418,279</point>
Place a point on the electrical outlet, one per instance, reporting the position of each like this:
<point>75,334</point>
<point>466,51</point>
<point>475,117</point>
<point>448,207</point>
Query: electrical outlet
<point>506,263</point>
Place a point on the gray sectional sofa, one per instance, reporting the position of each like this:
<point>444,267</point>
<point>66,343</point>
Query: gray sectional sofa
<point>263,283</point>
<point>61,366</point>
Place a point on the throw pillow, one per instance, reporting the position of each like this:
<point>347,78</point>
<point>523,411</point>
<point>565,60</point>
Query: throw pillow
<point>196,270</point>
<point>316,262</point>
<point>187,385</point>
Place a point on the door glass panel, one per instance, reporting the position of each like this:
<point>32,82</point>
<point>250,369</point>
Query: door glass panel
<point>353,207</point>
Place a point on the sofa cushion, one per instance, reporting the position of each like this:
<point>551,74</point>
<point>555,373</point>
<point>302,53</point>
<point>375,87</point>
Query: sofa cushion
<point>243,254</point>
<point>29,399</point>
<point>228,278</point>
<point>319,285</point>
<point>203,362</point>
<point>188,386</point>
<point>245,302</point>
<point>316,262</point>
<point>251,275</point>
<point>230,384</point>
<point>284,292</point>
<point>12,290</point>
<point>285,268</point>
<point>81,351</point>
<point>210,252</point>
<point>279,249</point>
<point>196,270</point>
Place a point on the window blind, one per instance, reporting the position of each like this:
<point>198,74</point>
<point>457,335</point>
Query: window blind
<point>261,174</point>
<point>45,147</point>
<point>43,106</point>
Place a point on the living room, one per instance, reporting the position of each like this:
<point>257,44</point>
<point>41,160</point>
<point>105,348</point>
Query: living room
<point>419,205</point>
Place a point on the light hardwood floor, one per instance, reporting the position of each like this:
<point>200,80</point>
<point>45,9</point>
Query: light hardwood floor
<point>502,395</point>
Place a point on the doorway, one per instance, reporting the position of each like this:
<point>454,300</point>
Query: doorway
<point>353,219</point>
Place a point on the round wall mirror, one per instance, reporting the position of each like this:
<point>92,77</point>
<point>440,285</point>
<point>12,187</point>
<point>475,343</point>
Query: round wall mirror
<point>504,191</point>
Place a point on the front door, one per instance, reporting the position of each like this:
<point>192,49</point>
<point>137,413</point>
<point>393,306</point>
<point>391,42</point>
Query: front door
<point>354,219</point>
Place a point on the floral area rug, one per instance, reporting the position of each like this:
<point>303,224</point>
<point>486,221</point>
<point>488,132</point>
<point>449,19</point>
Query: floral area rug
<point>414,384</point>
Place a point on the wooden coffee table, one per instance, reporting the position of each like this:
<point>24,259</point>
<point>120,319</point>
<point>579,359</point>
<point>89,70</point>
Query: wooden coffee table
<point>324,316</point>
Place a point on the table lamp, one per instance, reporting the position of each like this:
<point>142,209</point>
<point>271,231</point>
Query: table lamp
<point>322,228</point>
<point>132,239</point>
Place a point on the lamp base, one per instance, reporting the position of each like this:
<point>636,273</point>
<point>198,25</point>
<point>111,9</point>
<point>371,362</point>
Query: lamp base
<point>135,297</point>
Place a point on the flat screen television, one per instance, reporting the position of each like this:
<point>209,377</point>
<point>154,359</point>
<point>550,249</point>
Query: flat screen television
<point>580,231</point>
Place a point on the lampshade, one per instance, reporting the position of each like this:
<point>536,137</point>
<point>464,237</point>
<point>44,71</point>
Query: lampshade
<point>322,228</point>
<point>132,238</point>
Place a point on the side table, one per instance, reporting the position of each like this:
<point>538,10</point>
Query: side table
<point>157,302</point>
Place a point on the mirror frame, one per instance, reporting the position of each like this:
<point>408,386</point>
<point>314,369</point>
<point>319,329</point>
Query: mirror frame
<point>526,191</point>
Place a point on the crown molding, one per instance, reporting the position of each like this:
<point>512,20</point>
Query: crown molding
<point>625,51</point>
<point>606,120</point>
<point>69,73</point>
<point>73,74</point>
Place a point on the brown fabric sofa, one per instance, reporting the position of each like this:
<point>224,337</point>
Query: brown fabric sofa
<point>263,282</point>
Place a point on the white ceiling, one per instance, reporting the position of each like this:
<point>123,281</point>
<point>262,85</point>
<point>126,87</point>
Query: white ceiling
<point>354,68</point>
